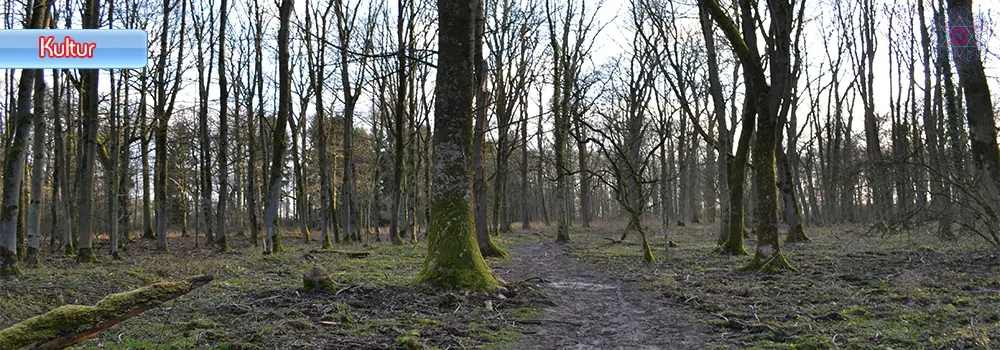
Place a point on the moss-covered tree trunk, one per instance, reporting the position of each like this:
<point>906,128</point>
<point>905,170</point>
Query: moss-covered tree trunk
<point>733,244</point>
<point>68,325</point>
<point>13,169</point>
<point>790,209</point>
<point>768,101</point>
<point>486,244</point>
<point>453,258</point>
<point>13,172</point>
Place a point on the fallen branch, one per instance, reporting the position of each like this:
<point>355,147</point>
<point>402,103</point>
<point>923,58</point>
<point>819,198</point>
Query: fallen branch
<point>357,255</point>
<point>69,325</point>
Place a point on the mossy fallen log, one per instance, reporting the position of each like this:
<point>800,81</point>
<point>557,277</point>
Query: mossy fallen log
<point>68,325</point>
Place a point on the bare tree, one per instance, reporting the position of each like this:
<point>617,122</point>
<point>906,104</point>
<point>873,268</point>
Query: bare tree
<point>202,25</point>
<point>14,161</point>
<point>769,99</point>
<point>486,245</point>
<point>162,110</point>
<point>220,241</point>
<point>273,239</point>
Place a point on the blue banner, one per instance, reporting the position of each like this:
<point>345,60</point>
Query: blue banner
<point>73,48</point>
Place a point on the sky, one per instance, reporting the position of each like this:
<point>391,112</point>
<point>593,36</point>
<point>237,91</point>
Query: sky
<point>611,42</point>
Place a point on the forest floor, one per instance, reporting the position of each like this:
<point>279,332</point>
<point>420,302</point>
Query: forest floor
<point>256,302</point>
<point>851,290</point>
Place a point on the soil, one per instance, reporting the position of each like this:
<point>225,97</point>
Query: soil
<point>594,311</point>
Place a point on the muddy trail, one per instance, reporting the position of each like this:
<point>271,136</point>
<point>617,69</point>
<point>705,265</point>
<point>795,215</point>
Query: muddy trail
<point>595,311</point>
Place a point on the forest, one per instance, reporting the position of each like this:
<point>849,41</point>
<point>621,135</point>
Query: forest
<point>506,174</point>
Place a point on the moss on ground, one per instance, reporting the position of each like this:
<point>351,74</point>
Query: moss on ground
<point>256,301</point>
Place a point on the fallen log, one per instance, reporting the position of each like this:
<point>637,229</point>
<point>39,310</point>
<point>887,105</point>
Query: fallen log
<point>69,325</point>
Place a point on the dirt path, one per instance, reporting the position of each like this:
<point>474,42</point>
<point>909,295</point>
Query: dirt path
<point>594,311</point>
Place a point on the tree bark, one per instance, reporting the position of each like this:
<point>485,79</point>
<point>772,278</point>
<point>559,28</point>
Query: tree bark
<point>13,169</point>
<point>221,242</point>
<point>453,259</point>
<point>273,244</point>
<point>89,80</point>
<point>980,113</point>
<point>37,170</point>
<point>486,245</point>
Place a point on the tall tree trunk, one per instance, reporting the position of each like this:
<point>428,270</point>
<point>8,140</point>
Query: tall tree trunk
<point>525,210</point>
<point>280,133</point>
<point>162,111</point>
<point>61,164</point>
<point>257,119</point>
<point>316,72</point>
<point>540,169</point>
<point>89,80</point>
<point>301,203</point>
<point>725,160</point>
<point>486,245</point>
<point>147,211</point>
<point>13,170</point>
<point>205,149</point>
<point>220,241</point>
<point>37,170</point>
<point>453,260</point>
<point>585,186</point>
<point>931,129</point>
<point>980,113</point>
<point>399,118</point>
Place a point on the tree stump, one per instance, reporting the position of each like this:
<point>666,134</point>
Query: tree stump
<point>317,280</point>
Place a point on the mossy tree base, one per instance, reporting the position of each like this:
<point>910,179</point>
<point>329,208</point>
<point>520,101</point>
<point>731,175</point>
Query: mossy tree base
<point>70,250</point>
<point>492,250</point>
<point>797,235</point>
<point>31,259</point>
<point>222,244</point>
<point>562,236</point>
<point>71,324</point>
<point>86,256</point>
<point>274,245</point>
<point>764,263</point>
<point>732,247</point>
<point>8,263</point>
<point>454,261</point>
